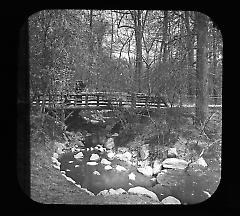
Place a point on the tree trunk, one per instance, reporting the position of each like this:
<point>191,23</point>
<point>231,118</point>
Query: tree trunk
<point>215,94</point>
<point>190,58</point>
<point>164,44</point>
<point>138,39</point>
<point>90,47</point>
<point>202,69</point>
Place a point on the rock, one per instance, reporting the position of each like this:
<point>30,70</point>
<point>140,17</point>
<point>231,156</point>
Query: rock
<point>109,143</point>
<point>125,156</point>
<point>172,152</point>
<point>175,163</point>
<point>55,155</point>
<point>70,162</point>
<point>120,168</point>
<point>103,193</point>
<point>87,191</point>
<point>110,155</point>
<point>56,166</point>
<point>92,163</point>
<point>122,149</point>
<point>157,166</point>
<point>108,167</point>
<point>59,150</point>
<point>132,176</point>
<point>120,191</point>
<point>99,148</point>
<point>96,172</point>
<point>105,161</point>
<point>94,157</point>
<point>54,160</point>
<point>78,155</point>
<point>207,193</point>
<point>200,161</point>
<point>69,179</point>
<point>76,166</point>
<point>115,135</point>
<point>170,200</point>
<point>144,151</point>
<point>114,192</point>
<point>143,163</point>
<point>78,143</point>
<point>143,191</point>
<point>147,170</point>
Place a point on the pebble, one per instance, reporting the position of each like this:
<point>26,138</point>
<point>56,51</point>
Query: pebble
<point>157,166</point>
<point>172,152</point>
<point>92,163</point>
<point>103,192</point>
<point>57,167</point>
<point>94,157</point>
<point>120,168</point>
<point>109,144</point>
<point>55,155</point>
<point>105,161</point>
<point>108,167</point>
<point>147,170</point>
<point>96,172</point>
<point>111,155</point>
<point>79,155</point>
<point>132,176</point>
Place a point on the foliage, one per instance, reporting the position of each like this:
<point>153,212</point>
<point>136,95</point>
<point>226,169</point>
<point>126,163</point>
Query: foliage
<point>99,48</point>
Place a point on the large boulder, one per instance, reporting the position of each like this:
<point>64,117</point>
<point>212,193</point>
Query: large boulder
<point>143,191</point>
<point>171,200</point>
<point>175,163</point>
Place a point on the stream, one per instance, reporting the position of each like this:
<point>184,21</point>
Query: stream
<point>193,186</point>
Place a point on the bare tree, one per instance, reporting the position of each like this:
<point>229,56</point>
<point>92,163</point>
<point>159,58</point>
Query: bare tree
<point>202,68</point>
<point>190,55</point>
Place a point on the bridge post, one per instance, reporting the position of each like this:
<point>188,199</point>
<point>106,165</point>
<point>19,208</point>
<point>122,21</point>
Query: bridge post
<point>133,100</point>
<point>97,100</point>
<point>86,100</point>
<point>146,102</point>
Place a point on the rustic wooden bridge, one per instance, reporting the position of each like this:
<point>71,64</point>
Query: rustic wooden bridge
<point>100,101</point>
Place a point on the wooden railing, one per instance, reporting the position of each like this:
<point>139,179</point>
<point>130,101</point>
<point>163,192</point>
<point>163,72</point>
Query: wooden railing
<point>101,100</point>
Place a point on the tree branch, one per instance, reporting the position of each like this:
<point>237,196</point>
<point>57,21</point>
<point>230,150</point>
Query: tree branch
<point>125,26</point>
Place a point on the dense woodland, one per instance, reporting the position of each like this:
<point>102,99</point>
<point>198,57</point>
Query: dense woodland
<point>173,53</point>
